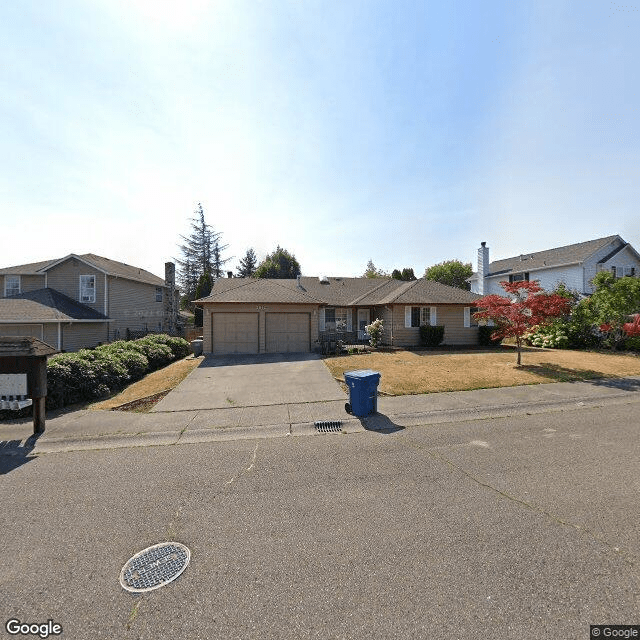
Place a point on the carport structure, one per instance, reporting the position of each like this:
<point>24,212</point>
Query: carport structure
<point>252,316</point>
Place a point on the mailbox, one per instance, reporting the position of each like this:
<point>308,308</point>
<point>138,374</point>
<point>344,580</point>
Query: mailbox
<point>23,376</point>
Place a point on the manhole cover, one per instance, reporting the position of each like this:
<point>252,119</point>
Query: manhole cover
<point>154,567</point>
<point>328,426</point>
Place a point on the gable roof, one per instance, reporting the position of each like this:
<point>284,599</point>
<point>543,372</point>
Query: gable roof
<point>338,292</point>
<point>110,267</point>
<point>570,254</point>
<point>46,305</point>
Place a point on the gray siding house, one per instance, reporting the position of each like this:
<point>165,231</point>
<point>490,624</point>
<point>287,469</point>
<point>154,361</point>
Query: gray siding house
<point>574,265</point>
<point>247,315</point>
<point>83,300</point>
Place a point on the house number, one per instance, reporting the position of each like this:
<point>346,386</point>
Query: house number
<point>261,308</point>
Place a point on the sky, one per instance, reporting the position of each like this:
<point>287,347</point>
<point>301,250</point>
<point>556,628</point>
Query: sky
<point>401,132</point>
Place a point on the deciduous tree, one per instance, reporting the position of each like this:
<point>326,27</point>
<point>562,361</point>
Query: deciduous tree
<point>279,264</point>
<point>450,272</point>
<point>527,306</point>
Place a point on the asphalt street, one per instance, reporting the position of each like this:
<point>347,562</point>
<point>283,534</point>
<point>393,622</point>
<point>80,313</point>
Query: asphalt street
<point>520,527</point>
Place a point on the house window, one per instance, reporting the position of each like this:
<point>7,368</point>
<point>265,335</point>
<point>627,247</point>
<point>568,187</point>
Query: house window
<point>519,277</point>
<point>472,321</point>
<point>11,285</point>
<point>420,316</point>
<point>329,319</point>
<point>613,272</point>
<point>335,319</point>
<point>158,294</point>
<point>87,288</point>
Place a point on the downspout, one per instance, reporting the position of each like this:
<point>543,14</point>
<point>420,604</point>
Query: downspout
<point>59,336</point>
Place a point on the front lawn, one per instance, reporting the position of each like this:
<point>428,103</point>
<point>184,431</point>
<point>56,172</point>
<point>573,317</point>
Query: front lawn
<point>409,372</point>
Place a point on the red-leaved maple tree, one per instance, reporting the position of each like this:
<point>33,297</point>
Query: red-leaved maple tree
<point>527,306</point>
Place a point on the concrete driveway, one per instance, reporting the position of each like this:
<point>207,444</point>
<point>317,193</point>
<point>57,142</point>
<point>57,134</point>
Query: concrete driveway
<point>225,382</point>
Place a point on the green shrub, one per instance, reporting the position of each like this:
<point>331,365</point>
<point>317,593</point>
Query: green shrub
<point>158,354</point>
<point>94,373</point>
<point>484,336</point>
<point>431,336</point>
<point>632,344</point>
<point>72,378</point>
<point>135,362</point>
<point>179,346</point>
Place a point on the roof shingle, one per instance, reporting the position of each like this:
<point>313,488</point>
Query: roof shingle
<point>45,305</point>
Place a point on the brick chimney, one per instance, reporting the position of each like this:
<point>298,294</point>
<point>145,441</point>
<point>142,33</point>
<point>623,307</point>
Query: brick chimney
<point>483,267</point>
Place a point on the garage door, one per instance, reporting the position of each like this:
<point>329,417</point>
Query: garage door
<point>235,333</point>
<point>288,332</point>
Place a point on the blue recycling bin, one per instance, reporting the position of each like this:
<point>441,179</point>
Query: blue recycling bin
<point>363,392</point>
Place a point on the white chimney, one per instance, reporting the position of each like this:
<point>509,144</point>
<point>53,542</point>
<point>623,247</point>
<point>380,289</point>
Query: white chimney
<point>483,266</point>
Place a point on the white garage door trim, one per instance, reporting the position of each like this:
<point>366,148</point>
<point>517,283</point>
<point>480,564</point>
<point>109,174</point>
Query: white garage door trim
<point>288,333</point>
<point>235,332</point>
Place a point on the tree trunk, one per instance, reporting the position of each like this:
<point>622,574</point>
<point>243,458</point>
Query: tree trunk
<point>519,345</point>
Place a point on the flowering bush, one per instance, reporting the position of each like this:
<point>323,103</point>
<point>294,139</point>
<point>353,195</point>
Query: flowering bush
<point>375,331</point>
<point>547,336</point>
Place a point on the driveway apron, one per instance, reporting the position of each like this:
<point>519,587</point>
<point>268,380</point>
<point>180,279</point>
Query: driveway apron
<point>225,382</point>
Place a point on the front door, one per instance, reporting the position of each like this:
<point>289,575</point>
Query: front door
<point>364,318</point>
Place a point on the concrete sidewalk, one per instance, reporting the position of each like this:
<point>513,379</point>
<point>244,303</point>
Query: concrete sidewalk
<point>86,429</point>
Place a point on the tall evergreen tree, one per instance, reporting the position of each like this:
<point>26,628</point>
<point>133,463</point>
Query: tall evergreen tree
<point>203,289</point>
<point>373,272</point>
<point>201,253</point>
<point>248,264</point>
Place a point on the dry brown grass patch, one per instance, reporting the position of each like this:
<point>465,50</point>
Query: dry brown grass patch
<point>152,384</point>
<point>410,372</point>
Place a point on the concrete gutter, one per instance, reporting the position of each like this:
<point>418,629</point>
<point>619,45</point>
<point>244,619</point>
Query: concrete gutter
<point>84,430</point>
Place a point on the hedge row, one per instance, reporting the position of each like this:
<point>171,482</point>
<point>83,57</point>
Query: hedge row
<point>89,374</point>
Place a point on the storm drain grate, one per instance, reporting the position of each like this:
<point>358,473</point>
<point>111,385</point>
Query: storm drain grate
<point>154,567</point>
<point>328,426</point>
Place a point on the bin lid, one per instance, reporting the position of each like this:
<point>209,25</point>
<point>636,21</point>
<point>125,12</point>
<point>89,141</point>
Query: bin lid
<point>362,374</point>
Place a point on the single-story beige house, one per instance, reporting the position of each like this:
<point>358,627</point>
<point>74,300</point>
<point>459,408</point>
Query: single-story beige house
<point>254,315</point>
<point>83,300</point>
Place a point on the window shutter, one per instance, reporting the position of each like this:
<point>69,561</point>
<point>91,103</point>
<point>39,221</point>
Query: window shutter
<point>349,319</point>
<point>433,316</point>
<point>321,319</point>
<point>467,317</point>
<point>407,317</point>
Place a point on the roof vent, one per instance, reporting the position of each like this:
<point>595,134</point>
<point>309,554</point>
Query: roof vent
<point>324,280</point>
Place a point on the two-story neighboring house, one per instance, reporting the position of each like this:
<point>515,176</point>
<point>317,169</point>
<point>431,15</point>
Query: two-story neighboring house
<point>574,265</point>
<point>83,300</point>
